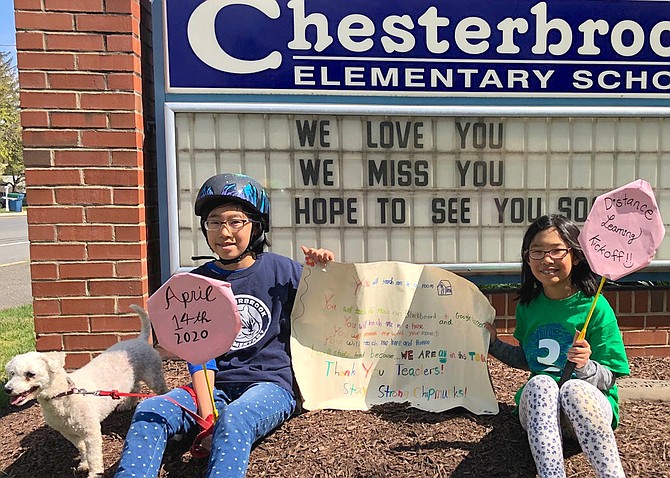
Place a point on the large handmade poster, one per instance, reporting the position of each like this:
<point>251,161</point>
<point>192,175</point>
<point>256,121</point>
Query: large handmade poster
<point>373,333</point>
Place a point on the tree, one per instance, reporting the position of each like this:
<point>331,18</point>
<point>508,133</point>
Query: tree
<point>11,151</point>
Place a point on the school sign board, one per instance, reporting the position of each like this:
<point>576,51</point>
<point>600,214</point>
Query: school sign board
<point>429,132</point>
<point>423,47</point>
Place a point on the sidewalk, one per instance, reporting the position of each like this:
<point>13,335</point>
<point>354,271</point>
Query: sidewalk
<point>642,389</point>
<point>5,213</point>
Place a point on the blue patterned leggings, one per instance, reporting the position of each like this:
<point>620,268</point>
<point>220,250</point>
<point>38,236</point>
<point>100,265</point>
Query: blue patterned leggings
<point>586,415</point>
<point>245,416</point>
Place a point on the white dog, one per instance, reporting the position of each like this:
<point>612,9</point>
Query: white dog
<point>78,415</point>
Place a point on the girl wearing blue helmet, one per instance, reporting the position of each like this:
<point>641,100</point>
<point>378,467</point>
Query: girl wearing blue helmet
<point>253,381</point>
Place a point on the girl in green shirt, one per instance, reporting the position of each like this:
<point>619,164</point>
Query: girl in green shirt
<point>557,290</point>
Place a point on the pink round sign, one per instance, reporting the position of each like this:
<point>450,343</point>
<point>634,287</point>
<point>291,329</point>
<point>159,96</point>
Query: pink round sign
<point>195,317</point>
<point>623,230</point>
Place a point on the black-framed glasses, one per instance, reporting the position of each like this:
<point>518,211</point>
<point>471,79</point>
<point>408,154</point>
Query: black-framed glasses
<point>539,254</point>
<point>233,225</point>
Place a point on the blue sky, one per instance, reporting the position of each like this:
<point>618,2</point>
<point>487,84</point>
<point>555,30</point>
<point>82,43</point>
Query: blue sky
<point>7,31</point>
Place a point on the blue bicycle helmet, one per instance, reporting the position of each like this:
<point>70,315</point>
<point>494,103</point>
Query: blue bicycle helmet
<point>229,187</point>
<point>236,188</point>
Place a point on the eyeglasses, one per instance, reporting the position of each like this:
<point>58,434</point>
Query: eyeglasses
<point>538,254</point>
<point>234,225</point>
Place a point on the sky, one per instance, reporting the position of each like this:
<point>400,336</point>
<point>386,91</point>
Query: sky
<point>7,31</point>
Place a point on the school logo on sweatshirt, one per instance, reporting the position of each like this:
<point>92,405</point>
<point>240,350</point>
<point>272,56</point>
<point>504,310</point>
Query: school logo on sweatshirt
<point>255,317</point>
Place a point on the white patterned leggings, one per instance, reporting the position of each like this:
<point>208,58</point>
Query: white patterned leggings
<point>587,415</point>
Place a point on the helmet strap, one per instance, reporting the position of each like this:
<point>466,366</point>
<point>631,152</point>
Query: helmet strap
<point>202,258</point>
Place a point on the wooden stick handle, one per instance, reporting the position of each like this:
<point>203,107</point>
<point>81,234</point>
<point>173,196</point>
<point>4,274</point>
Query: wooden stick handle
<point>570,366</point>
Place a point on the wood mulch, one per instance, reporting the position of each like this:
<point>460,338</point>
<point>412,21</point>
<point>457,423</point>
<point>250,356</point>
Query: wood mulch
<point>388,441</point>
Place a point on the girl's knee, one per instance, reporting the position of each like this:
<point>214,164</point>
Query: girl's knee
<point>542,384</point>
<point>149,405</point>
<point>582,401</point>
<point>576,392</point>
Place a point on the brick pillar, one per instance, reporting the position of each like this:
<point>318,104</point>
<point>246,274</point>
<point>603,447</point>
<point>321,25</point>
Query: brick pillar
<point>80,74</point>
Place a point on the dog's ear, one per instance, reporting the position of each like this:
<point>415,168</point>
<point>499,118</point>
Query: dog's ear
<point>8,366</point>
<point>54,360</point>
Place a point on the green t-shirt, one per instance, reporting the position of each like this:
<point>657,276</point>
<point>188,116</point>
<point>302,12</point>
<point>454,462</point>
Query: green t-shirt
<point>545,328</point>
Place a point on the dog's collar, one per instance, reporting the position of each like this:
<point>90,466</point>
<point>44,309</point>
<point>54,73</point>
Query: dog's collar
<point>70,390</point>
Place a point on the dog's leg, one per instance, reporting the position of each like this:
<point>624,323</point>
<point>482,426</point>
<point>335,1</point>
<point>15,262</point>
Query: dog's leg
<point>77,440</point>
<point>93,443</point>
<point>83,463</point>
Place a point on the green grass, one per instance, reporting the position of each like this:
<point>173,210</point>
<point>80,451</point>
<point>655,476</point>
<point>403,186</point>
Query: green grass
<point>17,335</point>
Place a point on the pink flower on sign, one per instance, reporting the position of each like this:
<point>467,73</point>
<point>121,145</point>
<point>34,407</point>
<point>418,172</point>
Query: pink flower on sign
<point>194,317</point>
<point>623,230</point>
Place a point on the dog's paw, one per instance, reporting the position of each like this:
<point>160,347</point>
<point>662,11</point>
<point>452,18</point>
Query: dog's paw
<point>83,467</point>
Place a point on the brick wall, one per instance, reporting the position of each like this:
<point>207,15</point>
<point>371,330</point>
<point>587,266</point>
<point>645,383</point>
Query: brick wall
<point>643,316</point>
<point>82,80</point>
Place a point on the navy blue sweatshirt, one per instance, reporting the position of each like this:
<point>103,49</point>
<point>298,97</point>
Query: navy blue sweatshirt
<point>265,292</point>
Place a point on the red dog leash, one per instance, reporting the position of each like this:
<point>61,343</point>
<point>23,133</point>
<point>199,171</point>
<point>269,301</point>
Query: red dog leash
<point>206,424</point>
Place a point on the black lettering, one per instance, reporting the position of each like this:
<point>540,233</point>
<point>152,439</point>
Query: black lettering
<point>483,173</point>
<point>403,136</point>
<point>383,203</point>
<point>421,171</point>
<point>462,133</point>
<point>581,209</point>
<point>418,135</point>
<point>319,214</point>
<point>395,134</point>
<point>479,135</point>
<point>370,144</point>
<point>324,132</point>
<point>301,213</point>
<point>380,175</point>
<point>437,207</point>
<point>479,172</point>
<point>351,211</point>
<point>386,139</point>
<point>501,209</point>
<point>397,210</point>
<point>404,172</point>
<point>462,170</point>
<point>534,213</point>
<point>520,209</point>
<point>564,208</point>
<point>493,181</point>
<point>452,210</point>
<point>465,210</point>
<point>493,144</point>
<point>483,135</point>
<point>577,209</point>
<point>311,171</point>
<point>517,210</point>
<point>325,210</point>
<point>456,205</point>
<point>307,132</point>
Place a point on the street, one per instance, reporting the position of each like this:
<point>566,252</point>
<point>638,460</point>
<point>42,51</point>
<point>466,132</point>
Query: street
<point>14,261</point>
